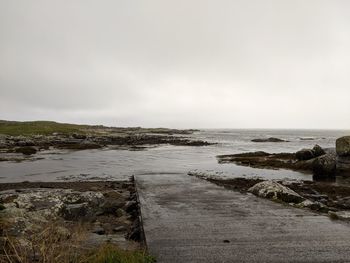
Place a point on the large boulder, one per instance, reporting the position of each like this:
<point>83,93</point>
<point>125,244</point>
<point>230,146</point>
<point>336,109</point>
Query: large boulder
<point>343,146</point>
<point>324,166</point>
<point>275,191</point>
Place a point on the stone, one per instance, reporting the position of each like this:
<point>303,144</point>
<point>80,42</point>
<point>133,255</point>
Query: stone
<point>318,151</point>
<point>342,215</point>
<point>275,191</point>
<point>79,136</point>
<point>111,206</point>
<point>343,146</point>
<point>120,212</point>
<point>343,163</point>
<point>75,211</point>
<point>324,166</point>
<point>119,229</point>
<point>99,230</point>
<point>271,139</point>
<point>304,154</point>
<point>26,150</point>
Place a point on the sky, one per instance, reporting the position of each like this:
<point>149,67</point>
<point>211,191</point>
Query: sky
<point>179,64</point>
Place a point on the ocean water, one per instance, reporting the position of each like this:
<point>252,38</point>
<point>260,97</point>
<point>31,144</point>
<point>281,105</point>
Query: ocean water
<point>116,164</point>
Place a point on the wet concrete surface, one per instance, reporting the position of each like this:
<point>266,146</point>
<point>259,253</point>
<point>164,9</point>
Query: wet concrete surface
<point>187,219</point>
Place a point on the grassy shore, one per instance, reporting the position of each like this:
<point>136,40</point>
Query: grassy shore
<point>16,128</point>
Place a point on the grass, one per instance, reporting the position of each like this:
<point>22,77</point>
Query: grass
<point>27,128</point>
<point>109,253</point>
<point>15,128</point>
<point>50,245</point>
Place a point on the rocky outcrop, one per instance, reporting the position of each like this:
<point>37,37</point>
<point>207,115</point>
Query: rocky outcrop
<point>97,211</point>
<point>343,146</point>
<point>323,164</point>
<point>275,191</point>
<point>343,154</point>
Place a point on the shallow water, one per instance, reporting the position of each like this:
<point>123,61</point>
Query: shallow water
<point>121,164</point>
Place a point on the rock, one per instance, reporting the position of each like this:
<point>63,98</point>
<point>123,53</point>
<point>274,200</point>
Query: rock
<point>308,154</point>
<point>275,191</point>
<point>342,215</point>
<point>111,206</point>
<point>318,151</point>
<point>271,139</point>
<point>343,163</point>
<point>79,136</point>
<point>324,166</point>
<point>26,150</point>
<point>343,146</point>
<point>75,211</point>
<point>119,229</point>
<point>316,206</point>
<point>120,212</point>
<point>99,230</point>
<point>304,154</point>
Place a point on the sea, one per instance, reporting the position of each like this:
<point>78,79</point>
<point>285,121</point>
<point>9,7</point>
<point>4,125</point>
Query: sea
<point>120,164</point>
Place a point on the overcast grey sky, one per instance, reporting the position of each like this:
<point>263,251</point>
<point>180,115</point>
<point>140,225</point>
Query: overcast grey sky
<point>183,63</point>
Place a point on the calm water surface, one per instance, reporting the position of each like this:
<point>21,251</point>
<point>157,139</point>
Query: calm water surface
<point>121,164</point>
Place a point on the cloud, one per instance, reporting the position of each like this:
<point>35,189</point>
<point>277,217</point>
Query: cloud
<point>192,63</point>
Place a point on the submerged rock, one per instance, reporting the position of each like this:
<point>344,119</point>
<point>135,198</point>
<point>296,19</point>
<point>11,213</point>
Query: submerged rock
<point>271,139</point>
<point>276,191</point>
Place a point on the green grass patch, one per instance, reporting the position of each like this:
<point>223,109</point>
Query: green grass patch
<point>15,128</point>
<point>109,253</point>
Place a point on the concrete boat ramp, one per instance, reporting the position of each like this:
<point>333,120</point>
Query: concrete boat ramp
<point>187,219</point>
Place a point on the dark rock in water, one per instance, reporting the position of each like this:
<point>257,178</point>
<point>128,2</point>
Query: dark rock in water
<point>343,146</point>
<point>304,154</point>
<point>318,151</point>
<point>324,166</point>
<point>271,139</point>
<point>26,150</point>
<point>308,154</point>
